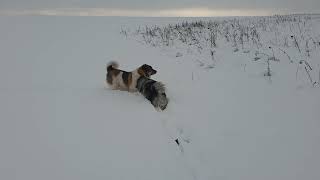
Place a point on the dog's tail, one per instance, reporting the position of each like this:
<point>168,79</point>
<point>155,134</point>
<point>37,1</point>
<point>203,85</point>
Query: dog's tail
<point>112,65</point>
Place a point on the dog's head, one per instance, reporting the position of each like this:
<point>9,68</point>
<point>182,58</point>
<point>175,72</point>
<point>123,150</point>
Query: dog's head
<point>160,100</point>
<point>146,70</point>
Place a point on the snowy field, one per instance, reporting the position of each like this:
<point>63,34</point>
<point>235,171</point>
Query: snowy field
<point>233,120</point>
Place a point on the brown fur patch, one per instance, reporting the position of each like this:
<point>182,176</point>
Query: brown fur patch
<point>115,72</point>
<point>111,74</point>
<point>141,72</point>
<point>129,80</point>
<point>127,77</point>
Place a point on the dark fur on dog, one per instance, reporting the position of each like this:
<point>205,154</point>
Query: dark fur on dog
<point>123,80</point>
<point>153,91</point>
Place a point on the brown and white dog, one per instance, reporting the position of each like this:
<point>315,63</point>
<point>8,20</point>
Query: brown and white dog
<point>126,81</point>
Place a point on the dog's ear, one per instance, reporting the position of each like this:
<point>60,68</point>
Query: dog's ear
<point>145,68</point>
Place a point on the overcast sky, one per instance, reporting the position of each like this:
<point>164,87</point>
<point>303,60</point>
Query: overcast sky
<point>152,7</point>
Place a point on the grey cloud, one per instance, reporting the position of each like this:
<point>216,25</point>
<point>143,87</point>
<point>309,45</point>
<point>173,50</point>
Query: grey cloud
<point>291,5</point>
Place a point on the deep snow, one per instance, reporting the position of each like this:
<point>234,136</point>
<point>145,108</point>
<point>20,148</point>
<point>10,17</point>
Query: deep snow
<point>58,121</point>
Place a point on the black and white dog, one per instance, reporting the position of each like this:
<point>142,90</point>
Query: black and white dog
<point>154,91</point>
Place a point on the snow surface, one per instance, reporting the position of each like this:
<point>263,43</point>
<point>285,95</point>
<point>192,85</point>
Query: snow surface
<point>58,121</point>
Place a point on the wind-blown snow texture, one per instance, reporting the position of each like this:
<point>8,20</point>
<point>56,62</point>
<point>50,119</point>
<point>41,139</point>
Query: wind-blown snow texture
<point>58,121</point>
